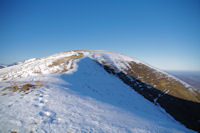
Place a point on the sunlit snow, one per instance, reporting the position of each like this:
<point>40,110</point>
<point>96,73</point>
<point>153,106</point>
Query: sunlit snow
<point>85,100</point>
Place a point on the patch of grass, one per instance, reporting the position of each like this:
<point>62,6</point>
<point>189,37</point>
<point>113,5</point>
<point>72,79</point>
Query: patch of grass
<point>38,83</point>
<point>4,78</point>
<point>14,88</point>
<point>5,88</point>
<point>4,94</point>
<point>58,62</point>
<point>26,87</point>
<point>65,61</point>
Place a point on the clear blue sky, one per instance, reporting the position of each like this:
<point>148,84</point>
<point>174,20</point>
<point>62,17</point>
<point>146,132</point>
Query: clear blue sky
<point>163,33</point>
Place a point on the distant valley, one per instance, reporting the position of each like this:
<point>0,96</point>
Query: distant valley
<point>190,77</point>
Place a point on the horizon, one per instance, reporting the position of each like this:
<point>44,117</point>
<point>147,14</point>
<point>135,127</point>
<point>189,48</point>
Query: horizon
<point>164,34</point>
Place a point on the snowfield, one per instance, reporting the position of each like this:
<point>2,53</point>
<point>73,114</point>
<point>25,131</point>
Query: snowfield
<point>82,100</point>
<point>88,100</point>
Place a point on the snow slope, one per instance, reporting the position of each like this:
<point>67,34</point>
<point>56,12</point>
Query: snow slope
<point>87,99</point>
<point>40,66</point>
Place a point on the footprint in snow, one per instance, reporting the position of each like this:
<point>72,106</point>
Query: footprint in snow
<point>41,101</point>
<point>48,116</point>
<point>36,99</point>
<point>10,105</point>
<point>35,105</point>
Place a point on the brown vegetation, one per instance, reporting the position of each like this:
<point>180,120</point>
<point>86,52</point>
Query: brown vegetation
<point>14,88</point>
<point>59,61</point>
<point>21,88</point>
<point>3,94</point>
<point>26,87</point>
<point>38,83</point>
<point>5,88</point>
<point>62,62</point>
<point>161,81</point>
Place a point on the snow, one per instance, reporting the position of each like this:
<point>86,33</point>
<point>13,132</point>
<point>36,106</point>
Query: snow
<point>117,60</point>
<point>35,67</point>
<point>87,99</point>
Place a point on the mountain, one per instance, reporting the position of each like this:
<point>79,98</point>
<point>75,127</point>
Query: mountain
<point>16,63</point>
<point>94,91</point>
<point>2,66</point>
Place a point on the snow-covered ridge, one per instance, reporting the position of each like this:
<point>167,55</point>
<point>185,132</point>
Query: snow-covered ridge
<point>66,62</point>
<point>58,63</point>
<point>72,103</point>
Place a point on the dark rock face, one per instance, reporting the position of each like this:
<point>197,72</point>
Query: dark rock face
<point>185,111</point>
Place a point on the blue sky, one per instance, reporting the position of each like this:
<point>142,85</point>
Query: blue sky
<point>165,34</point>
